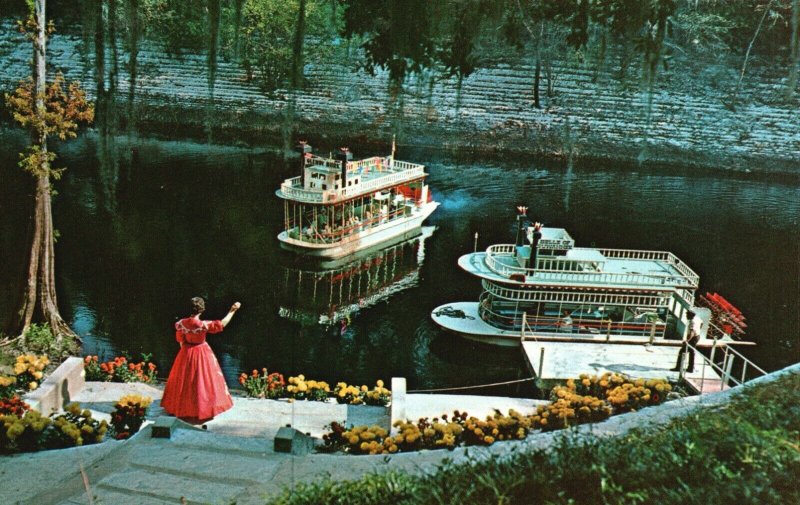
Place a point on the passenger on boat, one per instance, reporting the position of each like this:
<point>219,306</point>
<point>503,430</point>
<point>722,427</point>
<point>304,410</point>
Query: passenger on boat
<point>691,338</point>
<point>565,324</point>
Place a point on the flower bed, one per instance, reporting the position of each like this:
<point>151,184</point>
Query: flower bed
<point>27,430</point>
<point>585,400</point>
<point>129,415</point>
<point>120,369</point>
<point>262,384</point>
<point>29,370</point>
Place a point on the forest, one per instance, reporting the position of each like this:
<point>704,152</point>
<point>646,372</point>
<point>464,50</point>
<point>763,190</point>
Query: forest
<point>273,40</point>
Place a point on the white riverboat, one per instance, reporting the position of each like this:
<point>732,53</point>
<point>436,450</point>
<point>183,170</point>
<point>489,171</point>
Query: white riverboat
<point>337,206</point>
<point>544,287</point>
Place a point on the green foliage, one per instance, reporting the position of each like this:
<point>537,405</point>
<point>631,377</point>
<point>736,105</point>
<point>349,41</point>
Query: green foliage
<point>178,24</point>
<point>39,339</point>
<point>745,452</point>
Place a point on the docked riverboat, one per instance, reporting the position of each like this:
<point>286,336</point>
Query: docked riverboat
<point>545,288</point>
<point>337,206</point>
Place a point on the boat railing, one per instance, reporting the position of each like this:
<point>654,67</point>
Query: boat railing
<point>391,179</point>
<point>584,297</point>
<point>292,189</point>
<point>575,326</point>
<point>496,254</point>
<point>316,236</point>
<point>664,256</point>
<point>403,171</point>
<point>731,367</point>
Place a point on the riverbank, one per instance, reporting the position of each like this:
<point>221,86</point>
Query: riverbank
<point>590,115</point>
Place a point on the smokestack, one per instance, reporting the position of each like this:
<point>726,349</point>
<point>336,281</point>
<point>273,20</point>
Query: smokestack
<point>343,155</point>
<point>521,215</point>
<point>303,148</point>
<point>537,235</point>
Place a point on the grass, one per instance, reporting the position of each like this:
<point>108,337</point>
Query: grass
<point>746,452</point>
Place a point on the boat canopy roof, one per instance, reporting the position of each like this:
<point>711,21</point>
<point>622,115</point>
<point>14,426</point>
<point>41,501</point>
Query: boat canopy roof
<point>326,181</point>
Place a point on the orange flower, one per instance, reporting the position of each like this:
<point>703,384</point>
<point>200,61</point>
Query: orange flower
<point>151,366</point>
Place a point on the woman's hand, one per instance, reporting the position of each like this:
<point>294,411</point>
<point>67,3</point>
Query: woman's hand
<point>229,315</point>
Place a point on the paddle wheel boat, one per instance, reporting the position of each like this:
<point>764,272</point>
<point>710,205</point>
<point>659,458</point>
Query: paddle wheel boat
<point>546,288</point>
<point>337,206</point>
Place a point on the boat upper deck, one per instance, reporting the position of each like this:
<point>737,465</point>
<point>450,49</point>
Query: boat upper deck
<point>362,177</point>
<point>583,268</point>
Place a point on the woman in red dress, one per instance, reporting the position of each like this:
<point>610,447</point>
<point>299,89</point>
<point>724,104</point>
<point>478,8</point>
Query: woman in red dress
<point>196,389</point>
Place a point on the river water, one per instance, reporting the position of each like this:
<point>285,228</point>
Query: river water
<point>145,224</point>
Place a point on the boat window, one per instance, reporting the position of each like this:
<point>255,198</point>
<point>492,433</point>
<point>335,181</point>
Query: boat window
<point>324,186</point>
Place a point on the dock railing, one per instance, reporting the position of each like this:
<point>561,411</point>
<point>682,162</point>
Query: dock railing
<point>733,368</point>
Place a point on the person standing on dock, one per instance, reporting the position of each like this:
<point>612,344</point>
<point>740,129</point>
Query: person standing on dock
<point>692,337</point>
<point>196,390</point>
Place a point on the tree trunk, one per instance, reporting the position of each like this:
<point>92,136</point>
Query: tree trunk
<point>794,58</point>
<point>299,38</point>
<point>100,63</point>
<point>133,60</point>
<point>536,78</point>
<point>237,25</point>
<point>735,95</point>
<point>39,293</point>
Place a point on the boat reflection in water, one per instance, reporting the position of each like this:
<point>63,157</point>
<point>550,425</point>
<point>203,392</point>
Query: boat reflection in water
<point>330,293</point>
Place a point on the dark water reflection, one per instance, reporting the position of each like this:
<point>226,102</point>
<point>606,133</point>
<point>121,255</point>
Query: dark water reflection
<point>145,225</point>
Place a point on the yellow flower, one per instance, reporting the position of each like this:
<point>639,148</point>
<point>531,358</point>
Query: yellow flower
<point>33,385</point>
<point>379,383</point>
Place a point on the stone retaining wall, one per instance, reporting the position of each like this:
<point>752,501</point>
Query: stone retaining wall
<point>493,110</point>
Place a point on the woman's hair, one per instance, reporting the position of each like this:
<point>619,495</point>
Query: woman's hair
<point>198,306</point>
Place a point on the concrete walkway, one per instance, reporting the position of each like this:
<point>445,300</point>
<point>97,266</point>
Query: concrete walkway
<point>231,460</point>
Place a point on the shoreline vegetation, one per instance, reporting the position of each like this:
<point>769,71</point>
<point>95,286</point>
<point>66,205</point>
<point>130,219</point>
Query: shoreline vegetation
<point>743,451</point>
<point>684,83</point>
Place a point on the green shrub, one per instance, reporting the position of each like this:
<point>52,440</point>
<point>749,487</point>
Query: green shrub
<point>39,339</point>
<point>746,452</point>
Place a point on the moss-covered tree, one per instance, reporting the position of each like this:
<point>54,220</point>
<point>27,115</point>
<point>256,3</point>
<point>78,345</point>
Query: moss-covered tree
<point>45,110</point>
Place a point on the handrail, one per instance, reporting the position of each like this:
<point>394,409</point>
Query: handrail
<point>667,256</point>
<point>724,370</point>
<point>530,295</point>
<point>292,190</point>
<point>578,325</point>
<point>506,270</point>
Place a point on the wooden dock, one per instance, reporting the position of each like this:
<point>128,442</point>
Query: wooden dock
<point>562,360</point>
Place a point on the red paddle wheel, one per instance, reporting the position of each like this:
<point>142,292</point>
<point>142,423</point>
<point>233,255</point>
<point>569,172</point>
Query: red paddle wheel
<point>724,314</point>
